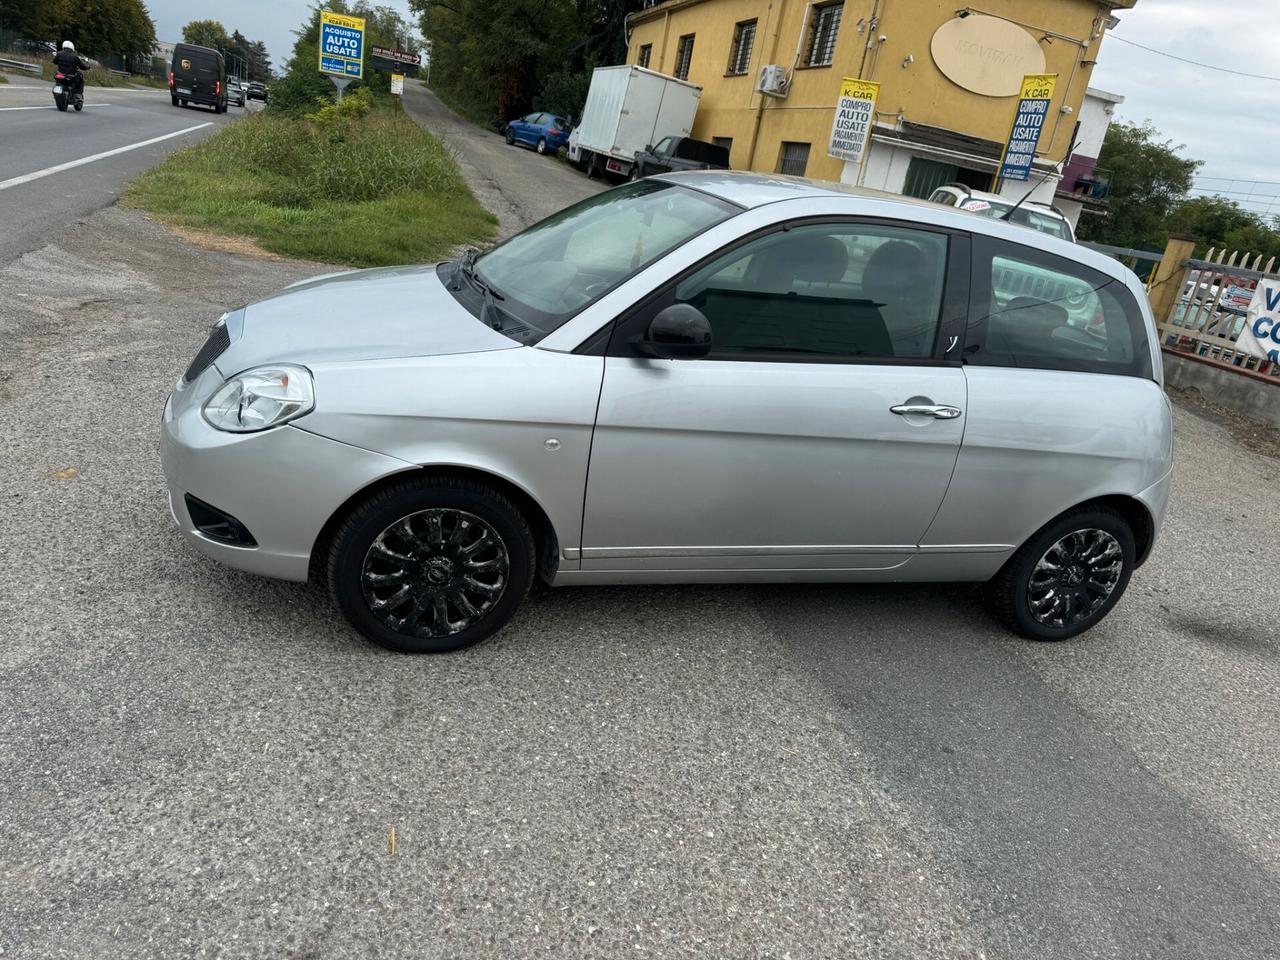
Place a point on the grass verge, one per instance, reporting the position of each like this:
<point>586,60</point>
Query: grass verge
<point>346,185</point>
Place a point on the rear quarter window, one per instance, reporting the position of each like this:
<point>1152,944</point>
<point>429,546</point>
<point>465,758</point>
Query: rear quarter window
<point>1034,309</point>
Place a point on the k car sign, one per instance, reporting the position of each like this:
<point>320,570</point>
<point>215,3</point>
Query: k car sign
<point>1261,334</point>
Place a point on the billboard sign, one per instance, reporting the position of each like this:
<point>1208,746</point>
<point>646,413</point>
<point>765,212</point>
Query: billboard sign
<point>1261,334</point>
<point>1028,122</point>
<point>341,45</point>
<point>855,113</point>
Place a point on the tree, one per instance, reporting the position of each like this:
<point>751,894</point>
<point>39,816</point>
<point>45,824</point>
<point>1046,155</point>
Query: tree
<point>207,33</point>
<point>1148,181</point>
<point>104,29</point>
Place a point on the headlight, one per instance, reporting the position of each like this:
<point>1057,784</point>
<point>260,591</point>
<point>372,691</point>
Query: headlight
<point>261,398</point>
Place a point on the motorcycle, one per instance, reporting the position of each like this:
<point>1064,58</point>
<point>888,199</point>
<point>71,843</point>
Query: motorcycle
<point>68,91</point>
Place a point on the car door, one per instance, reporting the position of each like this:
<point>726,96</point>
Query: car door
<point>531,128</point>
<point>821,430</point>
<point>661,155</point>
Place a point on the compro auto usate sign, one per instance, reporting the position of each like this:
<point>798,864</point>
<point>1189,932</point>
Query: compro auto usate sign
<point>341,45</point>
<point>1028,123</point>
<point>855,113</point>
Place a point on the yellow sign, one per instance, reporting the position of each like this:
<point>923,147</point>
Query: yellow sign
<point>855,115</point>
<point>341,45</point>
<point>1028,122</point>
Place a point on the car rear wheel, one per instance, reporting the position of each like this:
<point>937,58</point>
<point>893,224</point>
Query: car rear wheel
<point>542,145</point>
<point>431,565</point>
<point>1067,577</point>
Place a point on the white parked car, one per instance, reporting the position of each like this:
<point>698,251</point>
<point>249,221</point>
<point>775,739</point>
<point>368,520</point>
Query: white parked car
<point>1037,216</point>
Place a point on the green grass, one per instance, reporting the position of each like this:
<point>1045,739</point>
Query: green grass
<point>340,187</point>
<point>3,78</point>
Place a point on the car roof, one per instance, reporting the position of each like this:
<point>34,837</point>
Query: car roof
<point>750,190</point>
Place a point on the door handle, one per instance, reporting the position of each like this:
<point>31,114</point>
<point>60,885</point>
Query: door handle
<point>939,411</point>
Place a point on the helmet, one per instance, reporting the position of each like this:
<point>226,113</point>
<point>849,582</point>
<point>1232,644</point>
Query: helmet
<point>68,45</point>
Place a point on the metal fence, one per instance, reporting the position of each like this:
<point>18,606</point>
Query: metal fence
<point>1210,310</point>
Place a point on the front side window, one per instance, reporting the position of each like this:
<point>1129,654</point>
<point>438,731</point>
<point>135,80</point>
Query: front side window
<point>1048,312</point>
<point>823,29</point>
<point>664,146</point>
<point>544,275</point>
<point>836,292</point>
<point>646,51</point>
<point>744,36</point>
<point>684,57</point>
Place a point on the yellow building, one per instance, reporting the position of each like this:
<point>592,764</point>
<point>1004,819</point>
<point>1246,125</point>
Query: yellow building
<point>949,80</point>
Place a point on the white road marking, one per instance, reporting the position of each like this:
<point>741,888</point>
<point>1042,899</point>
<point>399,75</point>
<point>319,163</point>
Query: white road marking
<point>52,107</point>
<point>50,171</point>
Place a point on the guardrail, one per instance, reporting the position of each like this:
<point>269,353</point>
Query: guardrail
<point>7,64</point>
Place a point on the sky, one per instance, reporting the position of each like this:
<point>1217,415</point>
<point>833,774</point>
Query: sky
<point>1227,121</point>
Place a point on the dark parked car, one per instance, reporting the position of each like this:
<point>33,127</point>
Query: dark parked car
<point>258,91</point>
<point>545,132</point>
<point>198,75</point>
<point>679,153</point>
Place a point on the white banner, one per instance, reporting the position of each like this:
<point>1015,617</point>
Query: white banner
<point>1261,334</point>
<point>397,83</point>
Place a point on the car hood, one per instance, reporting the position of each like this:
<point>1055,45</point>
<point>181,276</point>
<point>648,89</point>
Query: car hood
<point>357,315</point>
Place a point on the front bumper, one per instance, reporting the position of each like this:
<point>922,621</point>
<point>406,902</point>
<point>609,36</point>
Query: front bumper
<point>283,484</point>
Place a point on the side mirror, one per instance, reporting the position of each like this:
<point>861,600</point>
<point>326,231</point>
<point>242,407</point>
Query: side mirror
<point>678,332</point>
<point>648,148</point>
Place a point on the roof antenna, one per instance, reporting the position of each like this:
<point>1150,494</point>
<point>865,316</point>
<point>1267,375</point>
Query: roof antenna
<point>1071,149</point>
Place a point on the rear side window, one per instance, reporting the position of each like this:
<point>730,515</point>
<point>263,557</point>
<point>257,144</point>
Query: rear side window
<point>1033,309</point>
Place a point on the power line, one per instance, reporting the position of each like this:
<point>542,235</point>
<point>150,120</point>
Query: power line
<point>1194,63</point>
<point>1265,183</point>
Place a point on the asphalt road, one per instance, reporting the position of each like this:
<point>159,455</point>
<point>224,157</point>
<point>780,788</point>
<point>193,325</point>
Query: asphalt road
<point>514,183</point>
<point>34,137</point>
<point>199,763</point>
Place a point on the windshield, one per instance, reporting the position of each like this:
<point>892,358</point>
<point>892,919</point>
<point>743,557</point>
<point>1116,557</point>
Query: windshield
<point>1049,223</point>
<point>549,272</point>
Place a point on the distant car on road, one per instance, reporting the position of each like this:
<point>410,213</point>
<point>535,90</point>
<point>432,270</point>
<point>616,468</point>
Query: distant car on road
<point>41,48</point>
<point>700,377</point>
<point>257,91</point>
<point>679,153</point>
<point>198,75</point>
<point>235,92</point>
<point>1037,216</point>
<point>545,132</point>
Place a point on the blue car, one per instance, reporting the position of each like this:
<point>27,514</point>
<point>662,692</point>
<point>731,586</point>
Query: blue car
<point>545,132</point>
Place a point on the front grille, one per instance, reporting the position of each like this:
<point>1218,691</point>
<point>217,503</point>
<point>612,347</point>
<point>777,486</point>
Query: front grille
<point>219,340</point>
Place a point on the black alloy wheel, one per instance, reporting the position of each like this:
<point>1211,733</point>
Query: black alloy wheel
<point>431,565</point>
<point>1068,576</point>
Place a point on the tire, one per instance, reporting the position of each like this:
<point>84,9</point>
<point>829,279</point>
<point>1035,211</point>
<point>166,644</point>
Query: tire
<point>635,173</point>
<point>511,137</point>
<point>79,104</point>
<point>1090,546</point>
<point>355,564</point>
<point>60,103</point>
<point>173,100</point>
<point>542,146</point>
<point>183,102</point>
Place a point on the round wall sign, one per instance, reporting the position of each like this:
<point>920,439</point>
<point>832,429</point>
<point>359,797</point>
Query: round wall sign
<point>985,54</point>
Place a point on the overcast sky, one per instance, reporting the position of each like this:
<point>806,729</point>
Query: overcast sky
<point>1229,122</point>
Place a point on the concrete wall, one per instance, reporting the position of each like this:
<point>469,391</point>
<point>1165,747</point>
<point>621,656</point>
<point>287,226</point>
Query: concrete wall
<point>914,89</point>
<point>1254,396</point>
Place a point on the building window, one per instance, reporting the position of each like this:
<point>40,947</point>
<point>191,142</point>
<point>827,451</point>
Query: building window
<point>793,158</point>
<point>646,52</point>
<point>823,29</point>
<point>744,37</point>
<point>684,54</point>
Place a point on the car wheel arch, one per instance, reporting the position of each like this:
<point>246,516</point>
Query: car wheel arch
<point>546,540</point>
<point>1134,512</point>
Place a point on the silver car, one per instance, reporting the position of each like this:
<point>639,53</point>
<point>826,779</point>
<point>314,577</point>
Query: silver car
<point>697,377</point>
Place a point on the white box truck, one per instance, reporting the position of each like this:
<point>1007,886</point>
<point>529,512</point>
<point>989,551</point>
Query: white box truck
<point>628,109</point>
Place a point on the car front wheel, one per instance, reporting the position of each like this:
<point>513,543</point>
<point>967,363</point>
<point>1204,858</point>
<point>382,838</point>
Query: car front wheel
<point>431,565</point>
<point>1068,576</point>
<point>511,137</point>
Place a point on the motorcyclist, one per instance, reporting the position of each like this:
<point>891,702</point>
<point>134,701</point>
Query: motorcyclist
<point>71,65</point>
